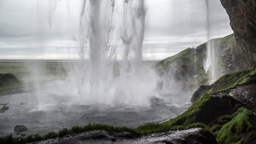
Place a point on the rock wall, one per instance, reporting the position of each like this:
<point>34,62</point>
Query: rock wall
<point>186,68</point>
<point>242,14</point>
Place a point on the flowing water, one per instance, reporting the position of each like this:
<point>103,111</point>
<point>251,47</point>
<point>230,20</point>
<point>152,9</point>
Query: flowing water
<point>210,64</point>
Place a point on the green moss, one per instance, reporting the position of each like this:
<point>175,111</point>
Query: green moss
<point>203,113</point>
<point>229,80</point>
<point>233,79</point>
<point>231,131</point>
<point>206,109</point>
<point>180,59</point>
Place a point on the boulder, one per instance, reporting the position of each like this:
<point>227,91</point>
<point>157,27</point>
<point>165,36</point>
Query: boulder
<point>3,108</point>
<point>246,94</point>
<point>20,128</point>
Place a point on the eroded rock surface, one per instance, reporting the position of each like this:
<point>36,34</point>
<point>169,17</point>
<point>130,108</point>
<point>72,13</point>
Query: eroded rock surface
<point>242,14</point>
<point>190,136</point>
<point>246,94</point>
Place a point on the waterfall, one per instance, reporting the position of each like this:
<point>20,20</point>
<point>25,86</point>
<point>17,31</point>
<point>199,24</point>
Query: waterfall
<point>111,35</point>
<point>210,63</point>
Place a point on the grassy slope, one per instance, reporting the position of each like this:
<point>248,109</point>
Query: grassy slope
<point>190,62</point>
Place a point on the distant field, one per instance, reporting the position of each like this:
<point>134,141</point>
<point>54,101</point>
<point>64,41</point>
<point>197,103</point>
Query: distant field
<point>26,71</point>
<point>23,70</point>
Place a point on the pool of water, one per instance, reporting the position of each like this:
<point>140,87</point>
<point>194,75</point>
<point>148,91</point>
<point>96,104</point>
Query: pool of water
<point>56,113</point>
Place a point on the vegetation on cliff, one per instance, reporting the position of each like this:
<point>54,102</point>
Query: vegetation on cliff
<point>230,81</point>
<point>187,67</point>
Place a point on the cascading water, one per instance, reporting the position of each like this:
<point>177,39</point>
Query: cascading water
<point>210,63</point>
<point>110,69</point>
<point>96,25</point>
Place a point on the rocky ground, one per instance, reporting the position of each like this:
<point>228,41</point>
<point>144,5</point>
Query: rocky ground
<point>190,136</point>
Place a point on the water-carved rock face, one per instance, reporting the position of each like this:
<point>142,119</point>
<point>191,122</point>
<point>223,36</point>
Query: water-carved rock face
<point>242,14</point>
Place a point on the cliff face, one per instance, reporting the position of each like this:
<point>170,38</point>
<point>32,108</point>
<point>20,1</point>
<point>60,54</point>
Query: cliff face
<point>242,14</point>
<point>186,68</point>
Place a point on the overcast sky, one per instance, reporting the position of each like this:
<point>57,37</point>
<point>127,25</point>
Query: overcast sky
<point>36,29</point>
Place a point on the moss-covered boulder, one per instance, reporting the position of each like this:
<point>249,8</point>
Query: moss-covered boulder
<point>239,84</point>
<point>207,110</point>
<point>240,127</point>
<point>221,114</point>
<point>224,116</point>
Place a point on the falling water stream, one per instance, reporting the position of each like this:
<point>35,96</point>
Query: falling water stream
<point>210,62</point>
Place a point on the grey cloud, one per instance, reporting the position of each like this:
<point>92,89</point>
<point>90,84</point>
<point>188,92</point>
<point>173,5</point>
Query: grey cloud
<point>167,18</point>
<point>189,17</point>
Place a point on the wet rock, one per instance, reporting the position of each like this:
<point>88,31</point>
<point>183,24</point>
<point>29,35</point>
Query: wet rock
<point>242,15</point>
<point>3,108</point>
<point>20,128</point>
<point>190,136</point>
<point>246,94</point>
<point>201,90</point>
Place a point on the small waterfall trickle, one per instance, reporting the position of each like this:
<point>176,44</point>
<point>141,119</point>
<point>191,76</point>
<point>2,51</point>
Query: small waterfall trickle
<point>210,62</point>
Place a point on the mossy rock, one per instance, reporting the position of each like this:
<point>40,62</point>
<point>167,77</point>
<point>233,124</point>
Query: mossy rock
<point>20,128</point>
<point>223,115</point>
<point>240,128</point>
<point>207,110</point>
<point>228,82</point>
